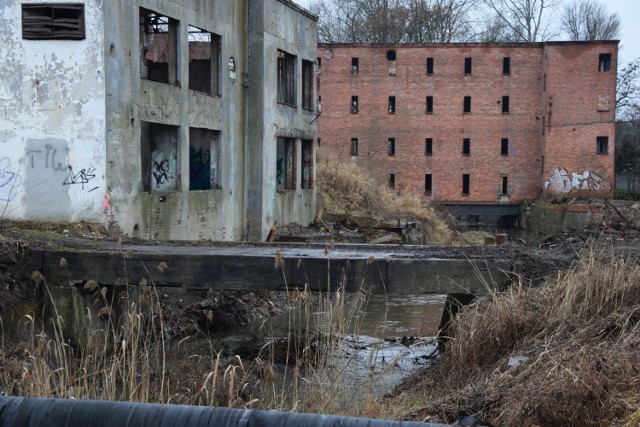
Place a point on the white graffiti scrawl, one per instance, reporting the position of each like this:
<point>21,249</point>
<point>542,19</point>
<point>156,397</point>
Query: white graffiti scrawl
<point>560,182</point>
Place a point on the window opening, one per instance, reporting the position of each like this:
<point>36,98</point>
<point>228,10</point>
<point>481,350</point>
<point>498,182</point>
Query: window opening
<point>354,66</point>
<point>392,104</point>
<point>604,62</point>
<point>63,21</point>
<point>159,156</point>
<point>428,183</point>
<point>465,184</point>
<point>505,104</point>
<point>429,104</point>
<point>319,142</point>
<point>504,147</point>
<point>204,155</point>
<point>429,66</point>
<point>204,61</point>
<point>467,104</point>
<point>158,47</point>
<point>602,145</point>
<point>392,181</point>
<point>428,147</point>
<point>307,85</point>
<point>391,55</point>
<point>391,146</point>
<point>285,164</point>
<point>506,65</point>
<point>307,164</point>
<point>319,62</point>
<point>286,78</point>
<point>354,146</point>
<point>466,146</point>
<point>467,65</point>
<point>504,185</point>
<point>354,104</point>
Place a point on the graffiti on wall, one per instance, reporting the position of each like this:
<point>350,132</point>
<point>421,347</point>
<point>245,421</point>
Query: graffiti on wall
<point>560,181</point>
<point>9,180</point>
<point>81,178</point>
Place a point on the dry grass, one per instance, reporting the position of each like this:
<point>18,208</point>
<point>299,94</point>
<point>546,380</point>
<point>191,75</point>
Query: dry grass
<point>580,335</point>
<point>350,189</point>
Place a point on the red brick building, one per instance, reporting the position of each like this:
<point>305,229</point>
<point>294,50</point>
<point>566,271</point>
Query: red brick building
<point>474,123</point>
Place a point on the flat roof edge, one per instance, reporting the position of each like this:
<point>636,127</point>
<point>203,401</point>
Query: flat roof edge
<point>471,44</point>
<point>300,9</point>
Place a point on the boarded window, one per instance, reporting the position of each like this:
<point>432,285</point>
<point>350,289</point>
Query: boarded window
<point>466,146</point>
<point>505,104</point>
<point>354,146</point>
<point>504,185</point>
<point>158,47</point>
<point>204,159</point>
<point>159,154</point>
<point>504,147</point>
<point>392,104</point>
<point>428,183</point>
<point>64,21</point>
<point>391,146</point>
<point>204,61</point>
<point>354,66</point>
<point>285,164</point>
<point>354,104</point>
<point>602,145</point>
<point>307,85</point>
<point>467,65</point>
<point>286,78</point>
<point>307,164</point>
<point>506,65</point>
<point>429,66</point>
<point>465,184</point>
<point>467,104</point>
<point>428,147</point>
<point>604,62</point>
<point>429,104</point>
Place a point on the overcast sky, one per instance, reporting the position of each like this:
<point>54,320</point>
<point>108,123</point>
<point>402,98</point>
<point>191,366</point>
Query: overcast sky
<point>629,12</point>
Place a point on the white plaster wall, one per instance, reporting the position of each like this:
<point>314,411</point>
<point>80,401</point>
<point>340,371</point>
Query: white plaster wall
<point>52,120</point>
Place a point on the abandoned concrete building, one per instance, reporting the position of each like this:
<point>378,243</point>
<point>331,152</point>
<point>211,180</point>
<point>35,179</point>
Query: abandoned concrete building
<point>176,119</point>
<point>486,126</point>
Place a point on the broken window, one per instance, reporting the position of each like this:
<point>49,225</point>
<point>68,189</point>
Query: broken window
<point>286,78</point>
<point>354,66</point>
<point>391,55</point>
<point>307,85</point>
<point>467,104</point>
<point>429,66</point>
<point>307,164</point>
<point>467,65</point>
<point>285,164</point>
<point>466,146</point>
<point>602,145</point>
<point>503,185</point>
<point>204,163</point>
<point>392,104</point>
<point>392,181</point>
<point>604,63</point>
<point>428,147</point>
<point>428,183</point>
<point>159,146</point>
<point>354,146</point>
<point>158,47</point>
<point>506,65</point>
<point>505,104</point>
<point>64,21</point>
<point>465,184</point>
<point>504,147</point>
<point>429,104</point>
<point>204,61</point>
<point>391,146</point>
<point>354,104</point>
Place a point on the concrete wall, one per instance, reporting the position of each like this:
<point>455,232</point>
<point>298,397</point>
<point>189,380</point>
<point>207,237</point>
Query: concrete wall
<point>52,120</point>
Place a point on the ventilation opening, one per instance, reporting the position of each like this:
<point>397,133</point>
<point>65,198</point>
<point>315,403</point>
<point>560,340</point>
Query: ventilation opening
<point>391,55</point>
<point>204,155</point>
<point>159,154</point>
<point>63,21</point>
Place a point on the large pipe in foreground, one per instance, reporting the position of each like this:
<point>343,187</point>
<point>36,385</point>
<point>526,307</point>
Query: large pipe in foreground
<point>21,411</point>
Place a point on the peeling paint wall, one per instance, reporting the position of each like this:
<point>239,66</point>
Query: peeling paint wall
<point>52,120</point>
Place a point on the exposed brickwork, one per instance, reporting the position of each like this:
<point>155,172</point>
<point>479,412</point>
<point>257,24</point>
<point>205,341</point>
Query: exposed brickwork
<point>569,142</point>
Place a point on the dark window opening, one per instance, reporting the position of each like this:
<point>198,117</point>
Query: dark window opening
<point>505,104</point>
<point>319,62</point>
<point>604,64</point>
<point>319,142</point>
<point>506,65</point>
<point>467,104</point>
<point>354,104</point>
<point>428,183</point>
<point>465,184</point>
<point>429,66</point>
<point>307,85</point>
<point>354,146</point>
<point>354,66</point>
<point>204,163</point>
<point>428,147</point>
<point>307,164</point>
<point>429,104</point>
<point>544,82</point>
<point>391,55</point>
<point>466,146</point>
<point>602,145</point>
<point>467,65</point>
<point>391,146</point>
<point>285,164</point>
<point>392,181</point>
<point>160,148</point>
<point>158,47</point>
<point>286,78</point>
<point>392,104</point>
<point>504,185</point>
<point>504,147</point>
<point>204,61</point>
<point>64,21</point>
